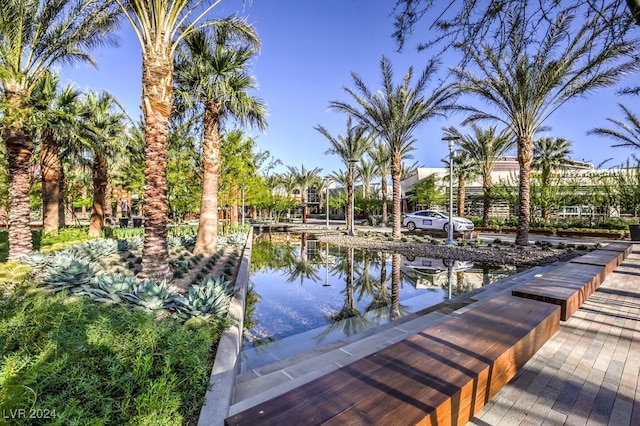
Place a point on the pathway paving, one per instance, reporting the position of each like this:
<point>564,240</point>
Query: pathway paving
<point>589,372</point>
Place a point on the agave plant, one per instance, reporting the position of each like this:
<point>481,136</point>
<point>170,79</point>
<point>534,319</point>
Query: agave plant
<point>65,271</point>
<point>237,238</point>
<point>151,295</point>
<point>209,300</point>
<point>36,260</point>
<point>110,288</point>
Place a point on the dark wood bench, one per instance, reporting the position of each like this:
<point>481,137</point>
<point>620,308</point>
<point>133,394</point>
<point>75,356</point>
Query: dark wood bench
<point>440,376</point>
<point>570,284</point>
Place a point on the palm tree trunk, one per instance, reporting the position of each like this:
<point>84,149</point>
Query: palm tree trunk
<point>395,179</point>
<point>350,199</point>
<point>394,310</point>
<point>525,155</point>
<point>385,204</point>
<point>19,148</point>
<point>207,239</point>
<point>51,172</point>
<point>461,196</point>
<point>303,199</point>
<point>100,179</point>
<point>157,97</point>
<point>62,211</point>
<point>486,199</point>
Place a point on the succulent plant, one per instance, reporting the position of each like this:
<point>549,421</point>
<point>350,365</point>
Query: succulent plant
<point>64,271</point>
<point>207,300</point>
<point>151,295</point>
<point>110,288</point>
<point>13,272</point>
<point>35,260</point>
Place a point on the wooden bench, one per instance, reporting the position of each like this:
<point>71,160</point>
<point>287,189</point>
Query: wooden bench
<point>570,284</point>
<point>440,376</point>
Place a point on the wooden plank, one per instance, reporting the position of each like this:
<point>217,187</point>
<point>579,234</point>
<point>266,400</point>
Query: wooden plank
<point>443,374</point>
<point>607,258</point>
<point>623,247</point>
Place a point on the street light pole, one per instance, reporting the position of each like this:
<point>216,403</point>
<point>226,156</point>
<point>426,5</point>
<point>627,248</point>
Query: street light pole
<point>327,203</point>
<point>450,139</point>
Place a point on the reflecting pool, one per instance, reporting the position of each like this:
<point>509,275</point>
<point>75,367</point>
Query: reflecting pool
<point>304,293</point>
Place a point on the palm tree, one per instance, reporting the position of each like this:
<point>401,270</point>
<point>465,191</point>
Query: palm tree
<point>348,148</point>
<point>394,113</point>
<point>464,168</point>
<point>213,83</point>
<point>56,113</point>
<point>37,35</point>
<point>102,129</point>
<point>527,81</point>
<point>381,157</point>
<point>549,154</point>
<point>485,147</point>
<point>304,179</point>
<point>160,25</point>
<point>627,134</point>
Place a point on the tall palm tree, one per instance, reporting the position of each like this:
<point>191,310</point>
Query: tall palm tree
<point>529,80</point>
<point>485,147</point>
<point>394,113</point>
<point>625,133</point>
<point>379,153</point>
<point>34,37</point>
<point>56,111</point>
<point>549,154</point>
<point>102,130</point>
<point>160,25</point>
<point>304,179</point>
<point>212,81</point>
<point>348,148</point>
<point>464,169</point>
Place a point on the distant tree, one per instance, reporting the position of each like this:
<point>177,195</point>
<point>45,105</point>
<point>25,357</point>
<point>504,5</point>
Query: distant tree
<point>550,155</point>
<point>425,193</point>
<point>304,179</point>
<point>394,113</point>
<point>379,153</point>
<point>349,148</point>
<point>485,147</point>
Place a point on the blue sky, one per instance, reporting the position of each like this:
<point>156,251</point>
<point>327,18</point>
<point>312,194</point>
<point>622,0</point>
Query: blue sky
<point>309,49</point>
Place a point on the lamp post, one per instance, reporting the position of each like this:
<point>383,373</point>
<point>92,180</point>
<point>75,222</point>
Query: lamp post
<point>451,140</point>
<point>352,230</point>
<point>327,202</point>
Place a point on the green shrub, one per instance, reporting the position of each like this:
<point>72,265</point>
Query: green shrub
<point>100,364</point>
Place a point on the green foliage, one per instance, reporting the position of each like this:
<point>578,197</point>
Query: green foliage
<point>151,295</point>
<point>66,272</point>
<point>425,193</point>
<point>209,300</point>
<point>98,364</point>
<point>110,288</point>
<point>13,272</point>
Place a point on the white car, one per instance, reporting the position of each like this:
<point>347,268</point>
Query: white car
<point>432,219</point>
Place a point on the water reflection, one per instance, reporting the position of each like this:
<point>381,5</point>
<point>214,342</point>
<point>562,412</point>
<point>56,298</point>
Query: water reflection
<point>304,293</point>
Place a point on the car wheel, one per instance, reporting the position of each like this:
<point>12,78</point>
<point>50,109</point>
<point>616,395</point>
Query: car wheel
<point>445,228</point>
<point>411,226</point>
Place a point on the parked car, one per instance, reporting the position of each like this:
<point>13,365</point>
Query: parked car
<point>432,219</point>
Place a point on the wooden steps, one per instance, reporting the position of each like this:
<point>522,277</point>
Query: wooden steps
<point>569,285</point>
<point>441,375</point>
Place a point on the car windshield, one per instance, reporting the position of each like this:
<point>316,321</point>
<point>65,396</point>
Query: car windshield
<point>442,214</point>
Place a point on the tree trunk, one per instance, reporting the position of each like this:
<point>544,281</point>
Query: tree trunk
<point>461,196</point>
<point>303,200</point>
<point>396,175</point>
<point>157,97</point>
<point>51,171</point>
<point>62,211</point>
<point>525,155</point>
<point>385,204</point>
<point>350,199</point>
<point>100,179</point>
<point>207,239</point>
<point>19,147</point>
<point>486,199</point>
<point>394,309</point>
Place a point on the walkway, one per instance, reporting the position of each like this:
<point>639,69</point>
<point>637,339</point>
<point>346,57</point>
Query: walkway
<point>589,372</point>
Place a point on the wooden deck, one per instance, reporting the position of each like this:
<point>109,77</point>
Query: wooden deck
<point>571,284</point>
<point>440,376</point>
